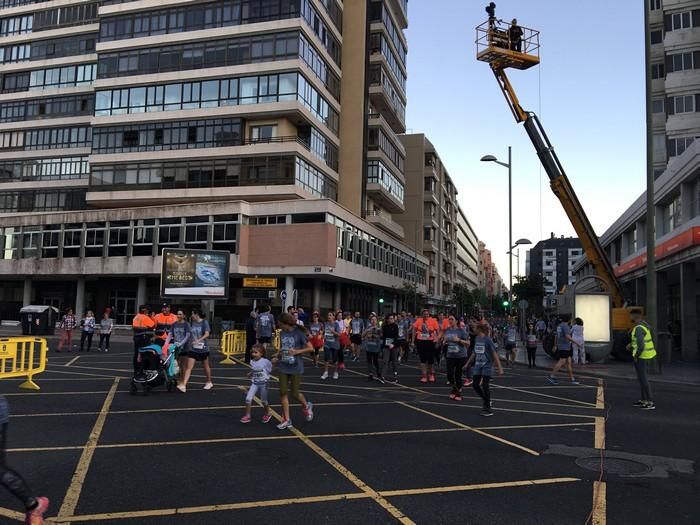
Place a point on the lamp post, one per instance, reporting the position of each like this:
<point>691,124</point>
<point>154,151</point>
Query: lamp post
<point>509,165</point>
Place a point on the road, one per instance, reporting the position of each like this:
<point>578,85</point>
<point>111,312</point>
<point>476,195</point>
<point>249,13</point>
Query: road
<point>374,454</point>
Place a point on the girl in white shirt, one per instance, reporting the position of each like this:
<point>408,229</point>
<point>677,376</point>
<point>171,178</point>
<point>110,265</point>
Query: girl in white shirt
<point>578,347</point>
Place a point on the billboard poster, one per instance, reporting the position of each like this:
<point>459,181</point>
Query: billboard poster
<point>195,274</point>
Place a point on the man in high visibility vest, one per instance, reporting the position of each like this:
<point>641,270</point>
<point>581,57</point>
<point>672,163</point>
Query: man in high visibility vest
<point>643,350</point>
<point>142,325</point>
<point>164,324</point>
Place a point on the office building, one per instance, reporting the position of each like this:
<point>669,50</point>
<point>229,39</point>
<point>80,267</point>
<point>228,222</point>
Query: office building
<point>467,252</point>
<point>265,128</point>
<point>554,260</point>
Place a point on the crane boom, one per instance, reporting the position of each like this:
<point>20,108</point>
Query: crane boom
<point>562,188</point>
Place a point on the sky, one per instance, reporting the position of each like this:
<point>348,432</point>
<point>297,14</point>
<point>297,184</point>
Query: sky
<point>588,92</point>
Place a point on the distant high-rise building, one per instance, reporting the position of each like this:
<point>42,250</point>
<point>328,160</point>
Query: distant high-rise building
<point>554,259</point>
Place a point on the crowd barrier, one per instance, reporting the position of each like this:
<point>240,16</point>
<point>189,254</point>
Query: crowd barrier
<point>233,342</point>
<point>23,357</point>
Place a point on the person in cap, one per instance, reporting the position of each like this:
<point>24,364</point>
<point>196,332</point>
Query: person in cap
<point>164,323</point>
<point>141,325</point>
<point>515,33</point>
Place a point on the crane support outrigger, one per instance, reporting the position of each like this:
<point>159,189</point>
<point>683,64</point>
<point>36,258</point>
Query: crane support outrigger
<point>503,47</point>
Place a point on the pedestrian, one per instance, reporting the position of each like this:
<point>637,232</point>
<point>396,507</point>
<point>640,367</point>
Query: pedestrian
<point>198,351</point>
<point>468,381</point>
<point>541,328</point>
<point>562,343</point>
<point>302,316</point>
<point>106,327</point>
<point>510,341</point>
<point>456,342</point>
<point>643,350</point>
<point>265,325</point>
<point>87,330</point>
<point>577,344</point>
<point>344,331</point>
<point>484,356</point>
<point>34,507</point>
<point>67,325</point>
<point>181,336</point>
<point>164,323</point>
<point>293,346</point>
<point>250,334</point>
<point>372,341</point>
<point>316,328</point>
<point>142,324</point>
<point>531,345</point>
<point>390,348</point>
<point>331,347</point>
<point>357,326</point>
<point>425,334</point>
<point>515,34</point>
<point>260,370</point>
<point>404,325</point>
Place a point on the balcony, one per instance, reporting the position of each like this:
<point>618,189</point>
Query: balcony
<point>386,100</point>
<point>400,8</point>
<point>383,220</point>
<point>382,196</point>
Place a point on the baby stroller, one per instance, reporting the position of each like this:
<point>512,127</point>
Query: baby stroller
<point>156,367</point>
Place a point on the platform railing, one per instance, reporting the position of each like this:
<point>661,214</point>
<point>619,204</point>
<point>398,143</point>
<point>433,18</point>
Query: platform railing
<point>497,35</point>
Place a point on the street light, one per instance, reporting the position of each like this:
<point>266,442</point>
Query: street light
<point>517,254</point>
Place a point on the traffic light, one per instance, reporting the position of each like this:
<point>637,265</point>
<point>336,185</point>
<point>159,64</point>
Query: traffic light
<point>505,301</point>
<point>381,300</point>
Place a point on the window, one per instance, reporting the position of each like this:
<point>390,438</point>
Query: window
<point>429,184</point>
<point>681,104</point>
<point>655,5</point>
<point>118,239</point>
<point>263,133</point>
<point>379,140</point>
<point>656,37</point>
<point>94,239</point>
<point>680,21</point>
<point>682,61</point>
<point>44,169</point>
<point>659,141</point>
<point>658,105</point>
<point>42,200</point>
<point>52,138</point>
<point>49,241</point>
<point>658,71</point>
<point>676,146</point>
<point>143,237</point>
<point>130,138</point>
<point>225,232</point>
<point>72,240</point>
<point>377,173</point>
<point>196,232</point>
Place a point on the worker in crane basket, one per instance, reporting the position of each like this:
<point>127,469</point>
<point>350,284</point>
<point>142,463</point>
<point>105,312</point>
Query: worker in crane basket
<point>516,36</point>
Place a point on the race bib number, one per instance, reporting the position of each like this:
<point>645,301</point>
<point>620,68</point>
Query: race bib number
<point>198,346</point>
<point>453,348</point>
<point>531,338</point>
<point>264,321</point>
<point>424,336</point>
<point>480,348</point>
<point>402,332</point>
<point>389,341</point>
<point>288,359</point>
<point>511,336</point>
<point>258,376</point>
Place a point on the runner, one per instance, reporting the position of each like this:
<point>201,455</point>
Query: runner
<point>439,347</point>
<point>541,328</point>
<point>87,330</point>
<point>293,346</point>
<point>357,326</point>
<point>316,329</point>
<point>510,337</point>
<point>372,339</point>
<point>484,356</point>
<point>425,331</point>
<point>404,325</point>
<point>331,347</point>
<point>531,345</point>
<point>470,350</point>
<point>456,342</point>
<point>198,351</point>
<point>181,336</point>
<point>265,325</point>
<point>67,325</point>
<point>563,345</point>
<point>261,369</point>
<point>344,331</point>
<point>390,349</point>
<point>34,507</point>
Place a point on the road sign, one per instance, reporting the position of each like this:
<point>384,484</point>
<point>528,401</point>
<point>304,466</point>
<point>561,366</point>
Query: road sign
<point>255,294</point>
<point>271,294</point>
<point>523,304</point>
<point>259,282</point>
<point>283,295</point>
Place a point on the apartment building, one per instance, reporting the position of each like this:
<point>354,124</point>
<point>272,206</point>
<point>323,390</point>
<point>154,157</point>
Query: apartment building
<point>467,252</point>
<point>431,216</point>
<point>263,127</point>
<point>554,260</point>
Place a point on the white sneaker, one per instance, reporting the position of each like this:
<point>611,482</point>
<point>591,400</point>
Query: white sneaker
<point>208,385</point>
<point>285,424</point>
<point>324,376</point>
<point>335,375</point>
<point>182,388</point>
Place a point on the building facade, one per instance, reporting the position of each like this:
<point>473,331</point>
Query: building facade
<point>467,252</point>
<point>554,260</point>
<point>490,280</point>
<point>130,127</point>
<point>431,216</point>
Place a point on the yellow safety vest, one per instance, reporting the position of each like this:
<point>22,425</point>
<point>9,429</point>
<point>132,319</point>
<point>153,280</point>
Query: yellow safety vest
<point>649,351</point>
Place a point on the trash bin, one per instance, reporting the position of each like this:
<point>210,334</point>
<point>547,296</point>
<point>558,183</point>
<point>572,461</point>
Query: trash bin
<point>38,319</point>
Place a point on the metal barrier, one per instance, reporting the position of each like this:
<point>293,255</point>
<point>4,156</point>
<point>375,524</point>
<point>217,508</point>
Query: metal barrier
<point>232,343</point>
<point>23,357</point>
<point>276,339</point>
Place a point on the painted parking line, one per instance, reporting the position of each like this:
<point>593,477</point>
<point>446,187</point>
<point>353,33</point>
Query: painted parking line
<point>598,514</point>
<point>72,360</point>
<point>517,410</point>
<point>525,391</point>
<point>479,486</point>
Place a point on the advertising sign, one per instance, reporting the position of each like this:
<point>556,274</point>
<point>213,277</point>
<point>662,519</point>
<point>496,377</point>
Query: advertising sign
<point>259,282</point>
<point>195,274</point>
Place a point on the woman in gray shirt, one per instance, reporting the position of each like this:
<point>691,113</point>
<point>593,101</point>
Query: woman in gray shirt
<point>106,327</point>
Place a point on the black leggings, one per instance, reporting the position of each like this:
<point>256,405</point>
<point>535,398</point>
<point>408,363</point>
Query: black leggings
<point>83,337</point>
<point>531,353</point>
<point>373,360</point>
<point>10,479</point>
<point>481,386</point>
<point>454,372</point>
<point>104,341</point>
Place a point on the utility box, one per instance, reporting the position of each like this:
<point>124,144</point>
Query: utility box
<point>38,319</point>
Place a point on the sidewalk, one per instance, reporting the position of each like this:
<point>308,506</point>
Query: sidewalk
<point>673,373</point>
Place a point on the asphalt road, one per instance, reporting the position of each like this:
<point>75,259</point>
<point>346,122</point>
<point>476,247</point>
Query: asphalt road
<point>374,453</point>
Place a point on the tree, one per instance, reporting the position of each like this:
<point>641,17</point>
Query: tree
<point>463,297</point>
<point>530,288</point>
<point>411,296</point>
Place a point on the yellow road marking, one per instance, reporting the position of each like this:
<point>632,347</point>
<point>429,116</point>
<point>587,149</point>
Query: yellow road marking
<point>553,425</point>
<point>599,516</point>
<point>479,486</point>
<point>72,360</point>
<point>7,513</point>
<point>600,433</point>
<point>70,502</point>
<point>519,410</point>
<point>600,395</point>
<point>73,373</point>
<point>57,393</point>
<point>473,429</point>
<point>522,390</point>
<point>390,385</point>
<point>501,400</point>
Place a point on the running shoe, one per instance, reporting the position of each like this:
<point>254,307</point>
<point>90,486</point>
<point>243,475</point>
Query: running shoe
<point>341,366</point>
<point>574,382</point>
<point>452,395</point>
<point>36,515</point>
<point>486,413</point>
<point>458,397</point>
<point>649,406</point>
<point>638,404</point>
<point>448,383</point>
<point>423,379</point>
<point>380,379</point>
<point>468,382</point>
<point>208,385</point>
<point>309,412</point>
<point>431,378</point>
<point>287,423</point>
<point>393,380</point>
<point>266,418</point>
<point>552,380</point>
<point>335,375</point>
<point>245,419</point>
<point>355,359</point>
<point>181,388</point>
<point>324,376</point>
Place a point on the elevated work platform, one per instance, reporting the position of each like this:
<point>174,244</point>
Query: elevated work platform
<point>501,47</point>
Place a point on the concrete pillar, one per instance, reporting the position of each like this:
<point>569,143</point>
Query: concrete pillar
<point>662,300</point>
<point>27,296</point>
<point>80,298</point>
<point>208,310</point>
<point>141,292</point>
<point>337,297</point>
<point>689,313</point>
<point>316,298</point>
<point>289,288</point>
<point>394,305</point>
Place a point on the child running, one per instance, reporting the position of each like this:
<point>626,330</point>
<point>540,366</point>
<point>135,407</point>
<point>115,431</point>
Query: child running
<point>293,346</point>
<point>484,356</point>
<point>261,369</point>
<point>316,329</point>
<point>331,347</point>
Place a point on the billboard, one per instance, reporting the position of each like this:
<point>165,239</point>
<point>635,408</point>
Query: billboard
<point>195,274</point>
